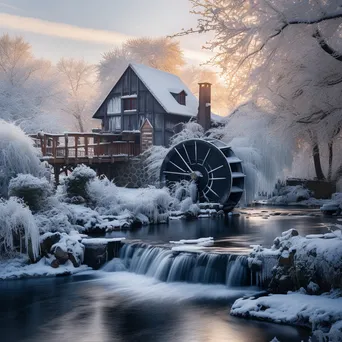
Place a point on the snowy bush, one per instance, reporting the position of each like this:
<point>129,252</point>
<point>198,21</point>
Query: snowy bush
<point>18,229</point>
<point>76,183</point>
<point>17,155</point>
<point>58,218</point>
<point>102,193</point>
<point>291,194</point>
<point>32,190</point>
<point>153,161</point>
<point>190,130</point>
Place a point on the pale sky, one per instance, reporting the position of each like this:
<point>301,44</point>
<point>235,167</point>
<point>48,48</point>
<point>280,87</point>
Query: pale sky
<point>88,28</point>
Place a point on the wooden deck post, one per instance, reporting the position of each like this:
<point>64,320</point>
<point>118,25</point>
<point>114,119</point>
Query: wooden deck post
<point>44,145</point>
<point>54,144</point>
<point>66,152</point>
<point>76,147</point>
<point>56,174</point>
<point>86,146</point>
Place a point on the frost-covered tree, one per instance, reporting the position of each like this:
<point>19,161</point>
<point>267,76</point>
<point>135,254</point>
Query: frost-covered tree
<point>80,81</point>
<point>265,151</point>
<point>304,88</point>
<point>286,55</point>
<point>252,30</point>
<point>17,155</point>
<point>161,53</point>
<point>28,92</point>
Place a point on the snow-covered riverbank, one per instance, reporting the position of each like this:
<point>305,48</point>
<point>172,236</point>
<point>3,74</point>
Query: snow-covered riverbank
<point>322,314</point>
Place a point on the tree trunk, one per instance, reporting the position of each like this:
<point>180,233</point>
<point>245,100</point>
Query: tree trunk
<point>317,162</point>
<point>331,155</point>
<point>80,123</point>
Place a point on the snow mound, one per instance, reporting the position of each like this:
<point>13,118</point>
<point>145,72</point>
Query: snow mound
<point>207,241</point>
<point>291,194</point>
<point>20,268</point>
<point>317,312</point>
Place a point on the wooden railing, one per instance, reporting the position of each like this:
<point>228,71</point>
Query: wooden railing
<point>70,146</point>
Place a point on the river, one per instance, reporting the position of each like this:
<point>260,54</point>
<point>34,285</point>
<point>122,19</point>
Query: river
<point>126,306</point>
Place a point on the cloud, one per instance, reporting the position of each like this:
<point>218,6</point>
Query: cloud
<point>61,30</point>
<point>2,4</point>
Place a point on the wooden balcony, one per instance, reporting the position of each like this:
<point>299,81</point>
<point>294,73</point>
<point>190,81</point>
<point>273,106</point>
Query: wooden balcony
<point>87,148</point>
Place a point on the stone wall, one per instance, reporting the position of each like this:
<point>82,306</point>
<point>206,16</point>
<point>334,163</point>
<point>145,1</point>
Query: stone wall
<point>131,174</point>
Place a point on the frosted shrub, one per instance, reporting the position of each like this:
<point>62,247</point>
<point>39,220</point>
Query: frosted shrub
<point>150,202</point>
<point>154,159</point>
<point>17,224</point>
<point>32,190</point>
<point>17,155</point>
<point>102,193</point>
<point>76,183</point>
<point>190,130</point>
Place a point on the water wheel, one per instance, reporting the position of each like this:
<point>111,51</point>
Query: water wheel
<point>212,165</point>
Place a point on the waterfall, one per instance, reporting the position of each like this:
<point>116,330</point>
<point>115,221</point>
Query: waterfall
<point>237,270</point>
<point>174,266</point>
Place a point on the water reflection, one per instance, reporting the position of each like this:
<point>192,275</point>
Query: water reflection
<point>127,308</point>
<point>256,226</point>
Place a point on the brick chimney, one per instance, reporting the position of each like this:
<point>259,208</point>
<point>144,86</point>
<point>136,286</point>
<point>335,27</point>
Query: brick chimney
<point>204,108</point>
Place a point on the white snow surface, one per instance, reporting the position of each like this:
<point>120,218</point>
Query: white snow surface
<point>19,268</point>
<point>100,241</point>
<point>161,84</point>
<point>293,308</point>
<point>207,241</point>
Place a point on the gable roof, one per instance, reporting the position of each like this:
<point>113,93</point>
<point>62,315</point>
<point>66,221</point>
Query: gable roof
<point>161,84</point>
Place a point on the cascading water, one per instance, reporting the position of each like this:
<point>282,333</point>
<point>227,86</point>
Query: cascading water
<point>174,266</point>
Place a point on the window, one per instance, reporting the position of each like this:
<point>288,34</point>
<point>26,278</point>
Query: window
<point>114,105</point>
<point>130,104</point>
<point>181,98</point>
<point>115,123</point>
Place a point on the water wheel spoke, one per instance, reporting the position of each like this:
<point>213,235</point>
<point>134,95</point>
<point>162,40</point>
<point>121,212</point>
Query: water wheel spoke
<point>217,168</point>
<point>178,173</point>
<point>206,156</point>
<point>186,164</point>
<point>178,167</point>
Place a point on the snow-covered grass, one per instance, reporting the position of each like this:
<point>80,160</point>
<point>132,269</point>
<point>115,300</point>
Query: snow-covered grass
<point>323,314</point>
<point>20,267</point>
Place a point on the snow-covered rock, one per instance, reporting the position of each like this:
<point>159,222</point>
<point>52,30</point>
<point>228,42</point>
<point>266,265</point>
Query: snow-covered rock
<point>323,314</point>
<point>313,263</point>
<point>20,267</point>
<point>334,206</point>
<point>290,194</point>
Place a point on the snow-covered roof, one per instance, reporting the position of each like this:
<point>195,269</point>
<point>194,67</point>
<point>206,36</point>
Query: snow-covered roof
<point>161,84</point>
